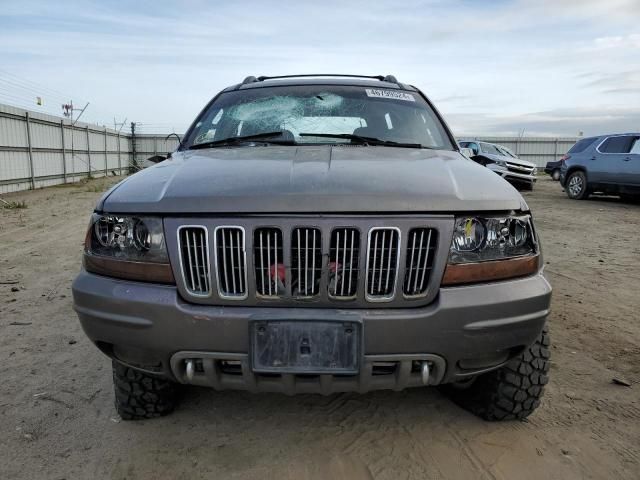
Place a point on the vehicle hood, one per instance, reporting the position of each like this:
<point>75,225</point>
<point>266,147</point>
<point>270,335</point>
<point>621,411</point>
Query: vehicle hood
<point>505,158</point>
<point>312,179</point>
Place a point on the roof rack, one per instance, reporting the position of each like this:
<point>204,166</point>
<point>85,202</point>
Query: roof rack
<point>382,78</point>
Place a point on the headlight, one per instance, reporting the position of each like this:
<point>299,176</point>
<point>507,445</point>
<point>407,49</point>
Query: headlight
<point>491,248</point>
<point>130,247</point>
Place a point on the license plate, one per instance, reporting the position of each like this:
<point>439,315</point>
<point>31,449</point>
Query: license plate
<point>312,347</point>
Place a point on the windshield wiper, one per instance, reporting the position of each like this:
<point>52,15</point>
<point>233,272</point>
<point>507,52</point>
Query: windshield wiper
<point>364,140</point>
<point>246,138</point>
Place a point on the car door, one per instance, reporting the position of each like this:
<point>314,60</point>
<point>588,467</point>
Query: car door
<point>610,159</point>
<point>631,164</point>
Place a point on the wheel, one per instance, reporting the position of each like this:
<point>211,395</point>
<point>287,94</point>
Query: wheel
<point>555,175</point>
<point>139,396</point>
<point>511,392</point>
<point>576,186</point>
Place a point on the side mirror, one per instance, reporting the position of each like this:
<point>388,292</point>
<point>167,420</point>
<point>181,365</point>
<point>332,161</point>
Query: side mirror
<point>179,142</point>
<point>467,152</point>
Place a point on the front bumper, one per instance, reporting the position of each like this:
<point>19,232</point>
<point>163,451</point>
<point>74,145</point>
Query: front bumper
<point>465,331</point>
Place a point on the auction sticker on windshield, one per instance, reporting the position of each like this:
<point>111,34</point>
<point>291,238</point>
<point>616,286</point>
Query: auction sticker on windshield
<point>391,94</point>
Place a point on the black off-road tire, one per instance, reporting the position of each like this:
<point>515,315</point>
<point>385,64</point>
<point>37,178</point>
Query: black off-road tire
<point>139,396</point>
<point>513,391</point>
<point>576,193</point>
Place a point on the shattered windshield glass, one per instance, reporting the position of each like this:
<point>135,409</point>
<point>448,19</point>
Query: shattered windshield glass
<point>295,113</point>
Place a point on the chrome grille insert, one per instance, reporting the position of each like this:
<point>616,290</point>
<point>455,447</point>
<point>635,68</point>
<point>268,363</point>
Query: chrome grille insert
<point>382,263</point>
<point>344,254</point>
<point>269,263</point>
<point>421,247</point>
<point>306,261</point>
<point>193,247</point>
<point>514,167</point>
<point>231,262</point>
<point>319,261</point>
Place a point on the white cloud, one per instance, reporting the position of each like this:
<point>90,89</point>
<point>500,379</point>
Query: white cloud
<point>486,64</point>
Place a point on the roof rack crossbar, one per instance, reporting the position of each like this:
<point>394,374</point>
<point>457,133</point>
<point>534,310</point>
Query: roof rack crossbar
<point>376,77</point>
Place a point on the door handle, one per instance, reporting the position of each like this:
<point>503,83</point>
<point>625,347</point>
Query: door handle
<point>626,159</point>
<point>593,158</point>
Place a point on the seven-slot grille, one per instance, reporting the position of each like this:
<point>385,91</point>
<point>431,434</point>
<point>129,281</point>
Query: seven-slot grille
<point>269,262</point>
<point>231,262</point>
<point>306,261</point>
<point>194,259</point>
<point>320,264</point>
<point>420,255</point>
<point>382,263</point>
<point>344,254</point>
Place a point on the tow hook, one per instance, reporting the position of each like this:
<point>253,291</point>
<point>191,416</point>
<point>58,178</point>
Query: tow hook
<point>425,373</point>
<point>190,369</point>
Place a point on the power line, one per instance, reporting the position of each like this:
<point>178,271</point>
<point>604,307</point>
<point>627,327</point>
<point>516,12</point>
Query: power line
<point>35,85</point>
<point>30,90</point>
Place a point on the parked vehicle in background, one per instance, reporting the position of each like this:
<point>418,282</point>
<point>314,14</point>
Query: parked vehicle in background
<point>505,163</point>
<point>608,164</point>
<point>554,168</point>
<point>317,235</point>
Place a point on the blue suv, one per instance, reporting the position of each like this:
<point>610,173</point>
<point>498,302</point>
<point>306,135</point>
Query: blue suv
<point>606,164</point>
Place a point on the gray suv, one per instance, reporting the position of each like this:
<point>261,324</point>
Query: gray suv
<point>607,164</point>
<point>317,234</point>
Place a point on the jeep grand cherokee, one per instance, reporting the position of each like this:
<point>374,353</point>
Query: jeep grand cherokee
<point>317,234</point>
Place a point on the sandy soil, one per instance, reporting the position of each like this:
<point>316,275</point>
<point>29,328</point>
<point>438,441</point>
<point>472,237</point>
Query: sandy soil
<point>57,418</point>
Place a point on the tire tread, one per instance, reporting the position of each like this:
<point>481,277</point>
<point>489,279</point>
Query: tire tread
<point>513,391</point>
<point>140,396</point>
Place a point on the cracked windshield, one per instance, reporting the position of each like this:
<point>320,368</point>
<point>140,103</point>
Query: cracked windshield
<point>320,115</point>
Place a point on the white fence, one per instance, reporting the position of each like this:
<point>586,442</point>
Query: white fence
<point>38,150</point>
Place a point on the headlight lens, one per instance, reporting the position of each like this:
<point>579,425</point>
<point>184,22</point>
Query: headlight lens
<point>128,238</point>
<point>478,239</point>
<point>488,248</point>
<point>131,247</point>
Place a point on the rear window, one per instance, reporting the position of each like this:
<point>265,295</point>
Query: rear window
<point>582,145</point>
<point>619,144</point>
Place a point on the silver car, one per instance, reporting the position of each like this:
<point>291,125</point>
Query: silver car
<point>504,162</point>
<point>317,235</point>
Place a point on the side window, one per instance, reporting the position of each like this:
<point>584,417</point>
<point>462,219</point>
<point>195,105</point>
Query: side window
<point>582,145</point>
<point>619,144</point>
<point>635,150</point>
<point>474,147</point>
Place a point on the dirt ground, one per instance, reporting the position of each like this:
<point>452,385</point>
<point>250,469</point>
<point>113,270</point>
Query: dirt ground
<point>57,418</point>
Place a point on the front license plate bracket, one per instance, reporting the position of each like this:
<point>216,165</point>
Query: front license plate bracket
<point>306,347</point>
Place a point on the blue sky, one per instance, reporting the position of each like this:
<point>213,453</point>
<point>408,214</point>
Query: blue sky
<point>492,67</point>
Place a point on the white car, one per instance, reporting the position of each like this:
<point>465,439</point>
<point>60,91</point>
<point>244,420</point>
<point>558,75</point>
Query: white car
<point>504,162</point>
